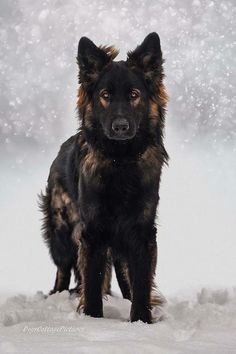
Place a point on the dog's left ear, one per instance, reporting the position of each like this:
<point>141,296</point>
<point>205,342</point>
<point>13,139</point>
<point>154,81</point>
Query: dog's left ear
<point>91,60</point>
<point>147,57</point>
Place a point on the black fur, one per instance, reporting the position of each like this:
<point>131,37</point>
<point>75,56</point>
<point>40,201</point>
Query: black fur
<point>103,188</point>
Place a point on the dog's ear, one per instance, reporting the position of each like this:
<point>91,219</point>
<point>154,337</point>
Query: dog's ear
<point>91,60</point>
<point>147,57</point>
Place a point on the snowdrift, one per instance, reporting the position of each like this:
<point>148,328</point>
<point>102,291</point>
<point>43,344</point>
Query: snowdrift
<point>36,324</point>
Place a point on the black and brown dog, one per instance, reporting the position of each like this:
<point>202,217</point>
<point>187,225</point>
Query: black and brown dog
<point>103,188</point>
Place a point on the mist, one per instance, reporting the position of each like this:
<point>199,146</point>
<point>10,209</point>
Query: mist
<point>196,223</point>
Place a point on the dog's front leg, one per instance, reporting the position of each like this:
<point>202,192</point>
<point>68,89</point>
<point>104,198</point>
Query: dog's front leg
<point>142,259</point>
<point>92,270</point>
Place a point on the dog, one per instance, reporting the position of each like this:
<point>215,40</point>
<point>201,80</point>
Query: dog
<point>103,188</point>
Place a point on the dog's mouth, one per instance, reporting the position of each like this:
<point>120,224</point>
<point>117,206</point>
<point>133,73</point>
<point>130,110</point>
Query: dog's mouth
<point>111,135</point>
<point>120,137</point>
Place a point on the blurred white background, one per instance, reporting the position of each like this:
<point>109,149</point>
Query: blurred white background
<point>38,84</point>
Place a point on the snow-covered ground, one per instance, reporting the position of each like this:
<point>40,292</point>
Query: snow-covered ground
<point>205,324</point>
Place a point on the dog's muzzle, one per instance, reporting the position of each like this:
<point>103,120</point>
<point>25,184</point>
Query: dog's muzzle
<point>120,129</point>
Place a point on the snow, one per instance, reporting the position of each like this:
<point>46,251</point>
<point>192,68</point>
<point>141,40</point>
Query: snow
<point>35,324</point>
<point>196,216</point>
<point>38,70</point>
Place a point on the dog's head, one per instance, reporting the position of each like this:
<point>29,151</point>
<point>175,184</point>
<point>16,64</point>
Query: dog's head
<point>120,100</point>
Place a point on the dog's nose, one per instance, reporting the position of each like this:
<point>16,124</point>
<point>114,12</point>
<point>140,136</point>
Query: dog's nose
<point>120,126</point>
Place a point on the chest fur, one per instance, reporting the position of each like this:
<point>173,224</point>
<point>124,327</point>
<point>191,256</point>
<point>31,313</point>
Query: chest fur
<point>118,188</point>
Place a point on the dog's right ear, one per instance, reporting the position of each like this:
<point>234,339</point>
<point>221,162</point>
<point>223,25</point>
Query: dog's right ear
<point>91,60</point>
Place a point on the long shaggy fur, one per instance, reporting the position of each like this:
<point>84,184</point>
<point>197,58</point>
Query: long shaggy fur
<point>103,188</point>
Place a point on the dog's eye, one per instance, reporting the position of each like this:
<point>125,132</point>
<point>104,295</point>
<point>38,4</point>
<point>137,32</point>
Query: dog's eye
<point>134,94</point>
<point>105,95</point>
